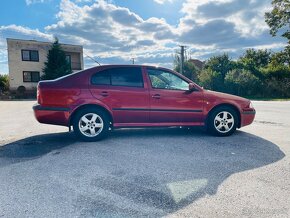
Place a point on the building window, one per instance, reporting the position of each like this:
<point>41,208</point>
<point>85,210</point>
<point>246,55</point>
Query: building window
<point>31,76</point>
<point>30,55</point>
<point>68,59</point>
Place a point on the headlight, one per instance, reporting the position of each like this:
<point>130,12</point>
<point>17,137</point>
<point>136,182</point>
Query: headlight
<point>251,105</point>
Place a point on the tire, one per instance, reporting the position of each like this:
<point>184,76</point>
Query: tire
<point>91,124</point>
<point>222,121</point>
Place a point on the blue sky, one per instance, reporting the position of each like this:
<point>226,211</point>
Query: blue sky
<point>114,31</point>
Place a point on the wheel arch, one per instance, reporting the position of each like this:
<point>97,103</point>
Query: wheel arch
<point>93,106</point>
<point>235,108</point>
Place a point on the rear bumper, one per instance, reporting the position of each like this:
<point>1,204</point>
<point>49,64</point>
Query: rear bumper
<point>247,117</point>
<point>52,115</point>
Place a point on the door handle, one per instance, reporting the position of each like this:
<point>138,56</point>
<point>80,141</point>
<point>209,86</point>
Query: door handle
<point>156,96</point>
<point>104,94</point>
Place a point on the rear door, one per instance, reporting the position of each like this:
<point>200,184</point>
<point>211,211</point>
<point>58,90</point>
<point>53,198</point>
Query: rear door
<point>124,91</point>
<point>170,100</point>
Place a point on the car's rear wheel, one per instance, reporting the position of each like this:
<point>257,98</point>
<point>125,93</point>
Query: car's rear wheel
<point>222,121</point>
<point>91,124</point>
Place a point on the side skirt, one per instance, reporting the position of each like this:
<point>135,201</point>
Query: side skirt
<point>136,125</point>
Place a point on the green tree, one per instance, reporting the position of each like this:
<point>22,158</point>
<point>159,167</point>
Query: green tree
<point>220,64</point>
<point>4,83</point>
<point>189,70</point>
<point>242,82</point>
<point>281,58</point>
<point>210,79</point>
<point>277,80</point>
<point>56,65</point>
<point>279,18</point>
<point>253,60</point>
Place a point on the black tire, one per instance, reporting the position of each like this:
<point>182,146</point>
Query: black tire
<point>89,114</point>
<point>219,122</point>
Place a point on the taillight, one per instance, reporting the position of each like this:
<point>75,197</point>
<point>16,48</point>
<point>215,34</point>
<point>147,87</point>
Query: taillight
<point>38,95</point>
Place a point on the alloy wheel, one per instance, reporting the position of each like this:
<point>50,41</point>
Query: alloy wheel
<point>224,122</point>
<point>91,125</point>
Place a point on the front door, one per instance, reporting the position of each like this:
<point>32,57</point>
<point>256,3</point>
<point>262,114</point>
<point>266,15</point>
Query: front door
<point>170,100</point>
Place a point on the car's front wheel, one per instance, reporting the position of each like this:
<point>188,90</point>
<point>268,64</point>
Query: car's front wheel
<point>223,121</point>
<point>91,124</point>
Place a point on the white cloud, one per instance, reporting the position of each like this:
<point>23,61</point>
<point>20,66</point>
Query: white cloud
<point>163,1</point>
<point>30,2</point>
<point>111,31</point>
<point>114,34</point>
<point>14,31</point>
<point>83,1</point>
<point>246,15</point>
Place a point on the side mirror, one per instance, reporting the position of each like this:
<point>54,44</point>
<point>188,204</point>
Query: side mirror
<point>191,87</point>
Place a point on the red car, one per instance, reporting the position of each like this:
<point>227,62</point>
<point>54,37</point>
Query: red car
<point>116,96</point>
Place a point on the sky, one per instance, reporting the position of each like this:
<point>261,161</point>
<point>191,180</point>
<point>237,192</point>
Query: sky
<point>151,31</point>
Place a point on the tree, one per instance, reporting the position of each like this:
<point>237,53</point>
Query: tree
<point>277,79</point>
<point>189,70</point>
<point>256,58</point>
<point>281,58</point>
<point>279,18</point>
<point>220,64</point>
<point>56,65</point>
<point>4,83</point>
<point>211,80</point>
<point>242,82</point>
<point>253,60</point>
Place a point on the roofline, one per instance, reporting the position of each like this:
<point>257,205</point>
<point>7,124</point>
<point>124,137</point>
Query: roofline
<point>127,65</point>
<point>32,40</point>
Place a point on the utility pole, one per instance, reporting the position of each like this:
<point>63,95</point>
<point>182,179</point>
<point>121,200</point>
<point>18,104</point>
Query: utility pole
<point>182,49</point>
<point>133,60</point>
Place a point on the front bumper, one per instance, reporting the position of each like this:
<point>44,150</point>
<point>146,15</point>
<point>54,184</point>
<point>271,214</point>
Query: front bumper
<point>247,117</point>
<point>52,115</point>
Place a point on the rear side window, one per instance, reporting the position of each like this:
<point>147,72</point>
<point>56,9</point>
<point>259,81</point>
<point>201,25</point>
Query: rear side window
<point>101,78</point>
<point>123,76</point>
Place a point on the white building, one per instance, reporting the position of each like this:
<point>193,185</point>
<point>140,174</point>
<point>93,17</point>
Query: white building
<point>26,60</point>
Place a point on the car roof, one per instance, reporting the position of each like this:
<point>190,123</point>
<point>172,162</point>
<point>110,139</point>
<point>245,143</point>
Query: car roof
<point>127,65</point>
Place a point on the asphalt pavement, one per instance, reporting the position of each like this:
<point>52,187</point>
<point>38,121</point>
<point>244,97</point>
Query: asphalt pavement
<point>46,172</point>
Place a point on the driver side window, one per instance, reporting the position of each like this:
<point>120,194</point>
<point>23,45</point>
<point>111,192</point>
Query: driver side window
<point>166,80</point>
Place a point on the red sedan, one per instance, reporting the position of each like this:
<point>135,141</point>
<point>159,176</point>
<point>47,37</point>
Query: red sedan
<point>118,96</point>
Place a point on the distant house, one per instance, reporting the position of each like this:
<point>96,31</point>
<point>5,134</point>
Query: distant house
<point>26,60</point>
<point>197,63</point>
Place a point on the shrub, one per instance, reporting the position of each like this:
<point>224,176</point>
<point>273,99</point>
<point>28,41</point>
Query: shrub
<point>243,82</point>
<point>4,83</point>
<point>211,80</point>
<point>277,81</point>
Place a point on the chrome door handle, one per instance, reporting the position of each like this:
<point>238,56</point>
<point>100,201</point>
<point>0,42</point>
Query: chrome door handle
<point>104,94</point>
<point>157,96</point>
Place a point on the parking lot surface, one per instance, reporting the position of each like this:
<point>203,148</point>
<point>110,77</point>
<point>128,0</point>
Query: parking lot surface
<point>46,172</point>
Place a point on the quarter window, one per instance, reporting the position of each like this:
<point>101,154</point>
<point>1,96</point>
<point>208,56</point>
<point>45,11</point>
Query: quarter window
<point>166,80</point>
<point>30,55</point>
<point>29,76</point>
<point>123,76</point>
